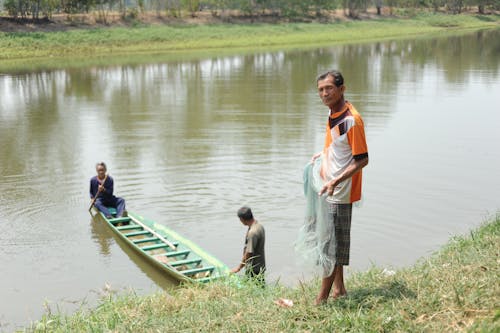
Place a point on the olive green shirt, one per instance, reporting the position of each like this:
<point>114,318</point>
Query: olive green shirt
<point>254,245</point>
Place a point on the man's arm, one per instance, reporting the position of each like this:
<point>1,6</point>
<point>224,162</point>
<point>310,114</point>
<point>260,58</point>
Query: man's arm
<point>355,166</point>
<point>92,189</point>
<point>109,187</point>
<point>242,264</point>
<point>315,156</point>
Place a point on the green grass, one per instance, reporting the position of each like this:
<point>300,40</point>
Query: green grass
<point>456,289</point>
<point>51,48</point>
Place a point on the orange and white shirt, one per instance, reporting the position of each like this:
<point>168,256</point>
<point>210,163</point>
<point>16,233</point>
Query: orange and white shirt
<point>345,140</point>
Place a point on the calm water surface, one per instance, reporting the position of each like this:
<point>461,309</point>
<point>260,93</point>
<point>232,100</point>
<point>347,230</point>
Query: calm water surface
<point>189,142</point>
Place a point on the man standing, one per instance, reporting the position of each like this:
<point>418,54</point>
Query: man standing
<point>345,154</point>
<point>101,192</point>
<point>254,259</point>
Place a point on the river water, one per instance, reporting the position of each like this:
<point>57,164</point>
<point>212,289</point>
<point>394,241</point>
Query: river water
<point>190,141</point>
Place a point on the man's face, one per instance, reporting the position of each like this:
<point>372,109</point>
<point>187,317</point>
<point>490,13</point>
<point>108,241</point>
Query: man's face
<point>101,171</point>
<point>329,93</point>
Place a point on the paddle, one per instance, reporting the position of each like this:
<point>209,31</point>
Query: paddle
<point>97,194</point>
<point>153,232</point>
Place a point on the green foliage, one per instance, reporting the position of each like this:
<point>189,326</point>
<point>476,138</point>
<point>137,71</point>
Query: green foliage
<point>75,6</point>
<point>11,6</point>
<point>442,21</point>
<point>192,6</point>
<point>292,9</point>
<point>35,9</point>
<point>66,46</point>
<point>131,14</point>
<point>455,6</point>
<point>354,7</point>
<point>173,8</point>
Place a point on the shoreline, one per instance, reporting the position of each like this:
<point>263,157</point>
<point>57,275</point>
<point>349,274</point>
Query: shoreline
<point>456,288</point>
<point>25,52</point>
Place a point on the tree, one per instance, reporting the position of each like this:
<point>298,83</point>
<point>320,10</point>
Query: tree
<point>378,5</point>
<point>191,6</point>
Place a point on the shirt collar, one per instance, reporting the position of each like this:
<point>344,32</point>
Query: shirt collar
<point>339,113</point>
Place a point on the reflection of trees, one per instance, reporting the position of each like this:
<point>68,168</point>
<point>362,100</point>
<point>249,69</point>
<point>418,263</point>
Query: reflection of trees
<point>36,112</point>
<point>88,84</point>
<point>101,235</point>
<point>455,56</point>
<point>209,102</point>
<point>378,69</point>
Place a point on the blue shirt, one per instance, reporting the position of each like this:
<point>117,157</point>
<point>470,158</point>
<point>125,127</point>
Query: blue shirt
<point>107,194</point>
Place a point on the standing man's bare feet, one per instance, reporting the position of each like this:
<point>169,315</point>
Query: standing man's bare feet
<point>326,287</point>
<point>339,293</point>
<point>338,284</point>
<point>320,301</point>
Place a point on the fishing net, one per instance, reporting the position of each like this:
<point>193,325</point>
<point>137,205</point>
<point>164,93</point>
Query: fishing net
<point>315,245</point>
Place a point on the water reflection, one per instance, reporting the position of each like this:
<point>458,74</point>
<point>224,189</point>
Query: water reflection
<point>105,238</point>
<point>102,236</point>
<point>189,142</point>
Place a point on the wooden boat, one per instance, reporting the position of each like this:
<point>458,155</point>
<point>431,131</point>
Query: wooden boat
<point>173,254</point>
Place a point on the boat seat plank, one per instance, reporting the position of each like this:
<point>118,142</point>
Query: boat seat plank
<point>157,246</point>
<point>145,240</point>
<point>177,253</point>
<point>185,262</point>
<point>137,233</point>
<point>197,270</point>
<point>120,220</point>
<point>112,210</point>
<point>129,227</point>
<point>205,279</point>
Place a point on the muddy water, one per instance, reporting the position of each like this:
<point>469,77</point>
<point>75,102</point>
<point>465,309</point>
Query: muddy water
<point>189,142</point>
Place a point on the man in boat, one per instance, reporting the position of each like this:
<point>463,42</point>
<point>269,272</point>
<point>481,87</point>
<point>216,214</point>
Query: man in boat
<point>345,153</point>
<point>254,259</point>
<point>101,189</point>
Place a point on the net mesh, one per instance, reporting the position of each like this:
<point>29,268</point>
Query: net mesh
<point>315,244</point>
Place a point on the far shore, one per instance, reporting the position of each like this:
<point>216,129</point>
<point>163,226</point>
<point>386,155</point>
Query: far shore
<point>42,49</point>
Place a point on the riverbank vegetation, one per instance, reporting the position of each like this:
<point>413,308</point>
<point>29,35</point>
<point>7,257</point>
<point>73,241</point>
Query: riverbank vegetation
<point>102,32</point>
<point>91,46</point>
<point>256,9</point>
<point>455,289</point>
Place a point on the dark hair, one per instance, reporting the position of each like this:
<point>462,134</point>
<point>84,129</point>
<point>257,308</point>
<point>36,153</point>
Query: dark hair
<point>245,213</point>
<point>101,163</point>
<point>338,79</point>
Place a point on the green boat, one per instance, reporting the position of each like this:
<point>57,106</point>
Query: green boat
<point>165,249</point>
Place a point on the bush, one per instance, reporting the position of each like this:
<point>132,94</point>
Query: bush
<point>11,7</point>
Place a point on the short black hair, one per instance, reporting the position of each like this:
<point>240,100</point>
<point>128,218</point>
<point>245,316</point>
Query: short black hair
<point>102,164</point>
<point>338,79</point>
<point>245,213</point>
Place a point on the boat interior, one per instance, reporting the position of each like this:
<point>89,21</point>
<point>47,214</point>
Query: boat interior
<point>170,253</point>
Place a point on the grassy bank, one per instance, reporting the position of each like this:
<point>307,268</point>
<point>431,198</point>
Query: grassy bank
<point>22,48</point>
<point>456,289</point>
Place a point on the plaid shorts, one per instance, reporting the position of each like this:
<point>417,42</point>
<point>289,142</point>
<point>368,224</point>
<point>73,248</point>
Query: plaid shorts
<point>341,216</point>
